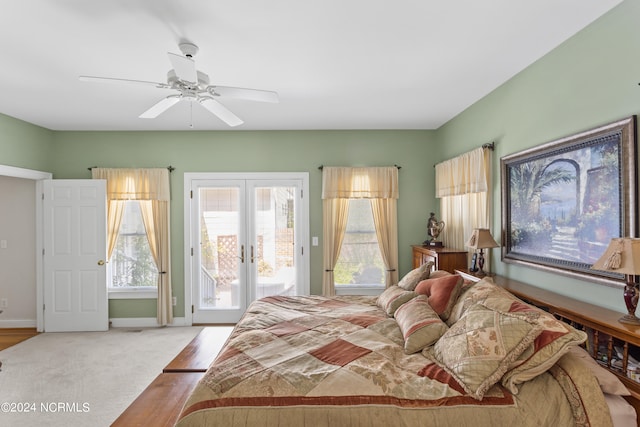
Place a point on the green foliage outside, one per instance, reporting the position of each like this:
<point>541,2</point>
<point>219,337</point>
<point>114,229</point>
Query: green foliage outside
<point>136,269</point>
<point>365,266</point>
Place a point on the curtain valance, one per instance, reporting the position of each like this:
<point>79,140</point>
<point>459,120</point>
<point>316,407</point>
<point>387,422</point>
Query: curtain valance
<point>467,173</point>
<point>135,184</point>
<point>360,182</point>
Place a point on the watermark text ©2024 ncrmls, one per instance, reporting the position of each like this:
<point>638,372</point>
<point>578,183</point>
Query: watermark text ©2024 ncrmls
<point>45,407</point>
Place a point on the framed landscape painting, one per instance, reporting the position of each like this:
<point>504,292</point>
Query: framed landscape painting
<point>563,201</point>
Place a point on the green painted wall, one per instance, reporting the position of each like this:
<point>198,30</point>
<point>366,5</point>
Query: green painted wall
<point>24,145</point>
<point>590,80</point>
<point>268,151</point>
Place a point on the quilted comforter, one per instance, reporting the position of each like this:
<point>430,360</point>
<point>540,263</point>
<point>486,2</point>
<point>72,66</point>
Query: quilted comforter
<point>318,361</point>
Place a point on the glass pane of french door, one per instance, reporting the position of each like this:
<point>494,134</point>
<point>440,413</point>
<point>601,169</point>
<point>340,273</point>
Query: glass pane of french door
<point>222,250</point>
<point>273,254</point>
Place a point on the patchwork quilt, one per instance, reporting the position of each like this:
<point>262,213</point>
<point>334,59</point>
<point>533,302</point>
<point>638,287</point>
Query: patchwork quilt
<point>340,361</point>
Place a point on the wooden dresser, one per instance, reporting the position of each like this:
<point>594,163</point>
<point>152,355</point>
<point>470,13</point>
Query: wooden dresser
<point>443,258</point>
<point>601,324</point>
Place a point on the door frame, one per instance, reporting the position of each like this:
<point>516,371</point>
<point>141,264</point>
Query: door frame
<point>189,177</point>
<point>38,177</point>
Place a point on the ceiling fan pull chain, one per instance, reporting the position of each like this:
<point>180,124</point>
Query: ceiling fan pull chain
<point>191,114</point>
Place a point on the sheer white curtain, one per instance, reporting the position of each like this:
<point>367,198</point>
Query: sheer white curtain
<point>150,187</point>
<point>380,185</point>
<point>463,185</point>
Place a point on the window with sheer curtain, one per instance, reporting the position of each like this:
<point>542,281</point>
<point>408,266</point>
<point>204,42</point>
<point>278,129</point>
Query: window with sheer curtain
<point>360,262</point>
<point>131,265</point>
<point>463,185</point>
<point>359,226</point>
<point>137,200</point>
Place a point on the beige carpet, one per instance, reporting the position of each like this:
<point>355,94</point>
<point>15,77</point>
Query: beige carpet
<point>84,378</point>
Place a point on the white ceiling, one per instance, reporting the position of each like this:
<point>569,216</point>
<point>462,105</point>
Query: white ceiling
<point>336,64</point>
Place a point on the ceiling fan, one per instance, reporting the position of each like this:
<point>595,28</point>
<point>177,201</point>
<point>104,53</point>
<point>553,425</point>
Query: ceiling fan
<point>193,85</point>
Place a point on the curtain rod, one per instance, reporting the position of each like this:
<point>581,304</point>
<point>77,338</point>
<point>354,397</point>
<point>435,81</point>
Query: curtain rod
<point>322,167</point>
<point>171,168</point>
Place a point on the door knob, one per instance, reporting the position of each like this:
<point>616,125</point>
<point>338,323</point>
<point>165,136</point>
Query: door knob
<point>101,262</point>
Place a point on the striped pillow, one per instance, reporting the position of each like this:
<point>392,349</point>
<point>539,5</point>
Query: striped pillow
<point>392,298</point>
<point>412,278</point>
<point>420,324</point>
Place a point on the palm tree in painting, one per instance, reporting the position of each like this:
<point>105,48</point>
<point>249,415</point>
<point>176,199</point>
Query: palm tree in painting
<point>528,180</point>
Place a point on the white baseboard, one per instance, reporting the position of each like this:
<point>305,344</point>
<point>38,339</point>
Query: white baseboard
<point>142,322</point>
<point>118,322</point>
<point>21,323</point>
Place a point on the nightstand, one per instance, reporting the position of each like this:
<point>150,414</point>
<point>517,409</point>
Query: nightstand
<point>443,258</point>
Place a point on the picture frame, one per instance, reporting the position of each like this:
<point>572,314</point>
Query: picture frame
<point>563,201</point>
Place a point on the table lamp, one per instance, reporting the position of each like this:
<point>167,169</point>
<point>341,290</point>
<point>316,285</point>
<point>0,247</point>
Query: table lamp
<point>481,239</point>
<point>623,256</point>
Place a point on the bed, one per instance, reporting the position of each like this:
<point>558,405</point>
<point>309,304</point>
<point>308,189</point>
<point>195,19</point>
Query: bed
<point>434,351</point>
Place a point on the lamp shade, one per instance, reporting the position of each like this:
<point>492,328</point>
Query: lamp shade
<point>481,238</point>
<point>621,256</point>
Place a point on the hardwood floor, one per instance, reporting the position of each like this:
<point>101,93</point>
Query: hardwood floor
<point>160,403</point>
<point>12,336</point>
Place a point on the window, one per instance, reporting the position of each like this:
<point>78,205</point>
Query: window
<point>342,186</point>
<point>360,262</point>
<point>463,185</point>
<point>132,265</point>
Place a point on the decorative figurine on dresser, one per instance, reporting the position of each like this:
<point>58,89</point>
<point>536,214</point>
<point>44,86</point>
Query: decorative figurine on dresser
<point>434,228</point>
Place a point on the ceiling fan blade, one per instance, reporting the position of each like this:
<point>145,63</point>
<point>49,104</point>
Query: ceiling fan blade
<point>184,67</point>
<point>248,94</point>
<point>125,81</point>
<point>160,107</point>
<point>221,111</point>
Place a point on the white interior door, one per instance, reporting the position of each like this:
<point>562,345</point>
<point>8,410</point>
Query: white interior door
<point>75,291</point>
<point>247,239</point>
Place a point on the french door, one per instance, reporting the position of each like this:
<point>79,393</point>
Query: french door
<point>247,238</point>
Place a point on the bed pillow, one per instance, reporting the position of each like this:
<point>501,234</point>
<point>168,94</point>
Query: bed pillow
<point>393,297</point>
<point>555,339</point>
<point>442,292</point>
<point>479,348</point>
<point>472,294</point>
<point>609,382</point>
<point>439,273</point>
<point>412,278</point>
<point>420,324</point>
